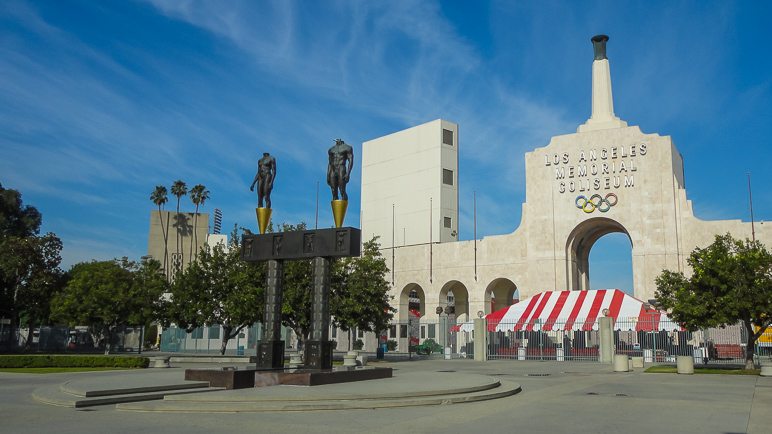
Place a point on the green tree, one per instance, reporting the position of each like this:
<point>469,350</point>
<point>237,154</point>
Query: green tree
<point>218,289</point>
<point>159,198</point>
<point>17,219</point>
<point>360,295</point>
<point>179,189</point>
<point>29,264</point>
<point>731,282</point>
<point>198,194</point>
<point>30,276</point>
<point>359,291</point>
<point>297,292</point>
<point>106,294</point>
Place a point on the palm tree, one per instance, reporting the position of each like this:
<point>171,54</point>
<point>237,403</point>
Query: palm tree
<point>179,189</point>
<point>198,194</point>
<point>159,198</point>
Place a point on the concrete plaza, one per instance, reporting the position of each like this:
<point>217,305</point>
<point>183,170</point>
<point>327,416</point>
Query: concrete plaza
<point>574,397</point>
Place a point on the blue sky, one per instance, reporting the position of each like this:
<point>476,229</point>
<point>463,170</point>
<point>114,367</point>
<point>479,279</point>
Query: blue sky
<point>102,101</point>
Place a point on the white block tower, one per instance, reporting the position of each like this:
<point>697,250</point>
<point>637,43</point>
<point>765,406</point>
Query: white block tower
<point>410,186</point>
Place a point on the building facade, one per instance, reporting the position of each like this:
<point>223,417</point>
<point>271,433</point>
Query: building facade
<point>607,177</point>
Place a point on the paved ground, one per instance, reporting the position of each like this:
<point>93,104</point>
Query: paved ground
<point>574,397</point>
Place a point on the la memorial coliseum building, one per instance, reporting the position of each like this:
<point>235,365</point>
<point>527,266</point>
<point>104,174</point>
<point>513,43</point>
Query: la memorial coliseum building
<point>607,177</point>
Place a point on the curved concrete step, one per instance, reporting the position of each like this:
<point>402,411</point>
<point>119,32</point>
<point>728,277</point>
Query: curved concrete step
<point>219,406</point>
<point>53,395</point>
<point>290,393</point>
<point>78,388</point>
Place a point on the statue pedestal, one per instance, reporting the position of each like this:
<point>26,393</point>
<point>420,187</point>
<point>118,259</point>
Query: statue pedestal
<point>339,208</point>
<point>270,354</point>
<point>318,355</point>
<point>263,218</point>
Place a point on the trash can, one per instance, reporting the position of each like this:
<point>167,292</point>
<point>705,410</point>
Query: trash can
<point>379,353</point>
<point>385,347</point>
<point>240,351</point>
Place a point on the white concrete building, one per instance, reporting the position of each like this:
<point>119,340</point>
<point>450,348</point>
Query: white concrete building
<point>410,186</point>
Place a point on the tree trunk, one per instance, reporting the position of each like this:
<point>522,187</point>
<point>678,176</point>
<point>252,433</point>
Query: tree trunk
<point>163,235</point>
<point>228,333</point>
<point>226,337</point>
<point>30,330</point>
<point>108,337</point>
<point>750,345</point>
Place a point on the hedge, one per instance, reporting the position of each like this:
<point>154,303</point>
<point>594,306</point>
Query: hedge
<point>49,361</point>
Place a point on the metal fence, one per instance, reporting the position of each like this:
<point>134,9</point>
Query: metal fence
<point>726,345</point>
<point>655,341</point>
<point>208,340</point>
<point>557,340</point>
<point>438,337</point>
<point>71,340</point>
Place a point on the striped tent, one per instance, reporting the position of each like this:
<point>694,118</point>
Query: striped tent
<point>576,310</point>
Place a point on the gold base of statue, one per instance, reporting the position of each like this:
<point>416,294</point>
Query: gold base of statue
<point>339,208</point>
<point>263,217</point>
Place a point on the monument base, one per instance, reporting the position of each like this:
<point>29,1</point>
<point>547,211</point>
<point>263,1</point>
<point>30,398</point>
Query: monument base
<point>270,355</point>
<point>232,378</point>
<point>228,378</point>
<point>307,377</point>
<point>318,354</point>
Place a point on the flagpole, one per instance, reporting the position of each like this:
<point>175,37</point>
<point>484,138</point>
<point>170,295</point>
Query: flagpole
<point>750,197</point>
<point>475,235</point>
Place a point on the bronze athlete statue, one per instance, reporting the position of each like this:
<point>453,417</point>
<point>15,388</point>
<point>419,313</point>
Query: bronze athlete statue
<point>338,173</point>
<point>266,172</point>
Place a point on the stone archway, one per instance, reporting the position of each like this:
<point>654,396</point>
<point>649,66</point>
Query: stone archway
<point>460,296</point>
<point>578,247</point>
<point>503,291</point>
<point>418,299</point>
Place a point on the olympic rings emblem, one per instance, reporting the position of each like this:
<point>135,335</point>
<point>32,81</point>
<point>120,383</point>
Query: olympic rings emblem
<point>589,205</point>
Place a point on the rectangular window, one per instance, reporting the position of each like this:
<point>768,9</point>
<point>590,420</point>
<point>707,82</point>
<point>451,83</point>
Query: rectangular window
<point>403,331</point>
<point>361,333</point>
<point>214,331</point>
<point>423,332</point>
<point>392,331</point>
<point>334,332</point>
<point>431,331</point>
<point>447,137</point>
<point>448,222</point>
<point>447,177</point>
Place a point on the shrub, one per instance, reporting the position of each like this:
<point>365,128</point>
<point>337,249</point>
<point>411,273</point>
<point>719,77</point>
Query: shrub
<point>359,344</point>
<point>391,345</point>
<point>49,361</point>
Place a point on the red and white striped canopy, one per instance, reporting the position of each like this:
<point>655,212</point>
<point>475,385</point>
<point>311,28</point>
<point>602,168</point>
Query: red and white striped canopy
<point>576,310</point>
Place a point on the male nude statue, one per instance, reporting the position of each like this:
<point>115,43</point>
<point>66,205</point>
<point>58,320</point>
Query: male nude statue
<point>337,172</point>
<point>266,172</point>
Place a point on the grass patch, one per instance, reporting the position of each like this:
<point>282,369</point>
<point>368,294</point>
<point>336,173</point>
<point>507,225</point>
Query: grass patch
<point>56,370</point>
<point>723,370</point>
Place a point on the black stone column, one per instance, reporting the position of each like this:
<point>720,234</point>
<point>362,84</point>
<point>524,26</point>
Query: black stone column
<point>319,347</point>
<point>270,349</point>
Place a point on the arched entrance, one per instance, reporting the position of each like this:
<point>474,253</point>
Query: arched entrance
<point>611,260</point>
<point>460,296</point>
<point>502,291</point>
<point>412,298</point>
<point>578,247</point>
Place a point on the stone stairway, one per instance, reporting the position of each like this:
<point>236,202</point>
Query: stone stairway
<point>84,393</point>
<point>387,393</point>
